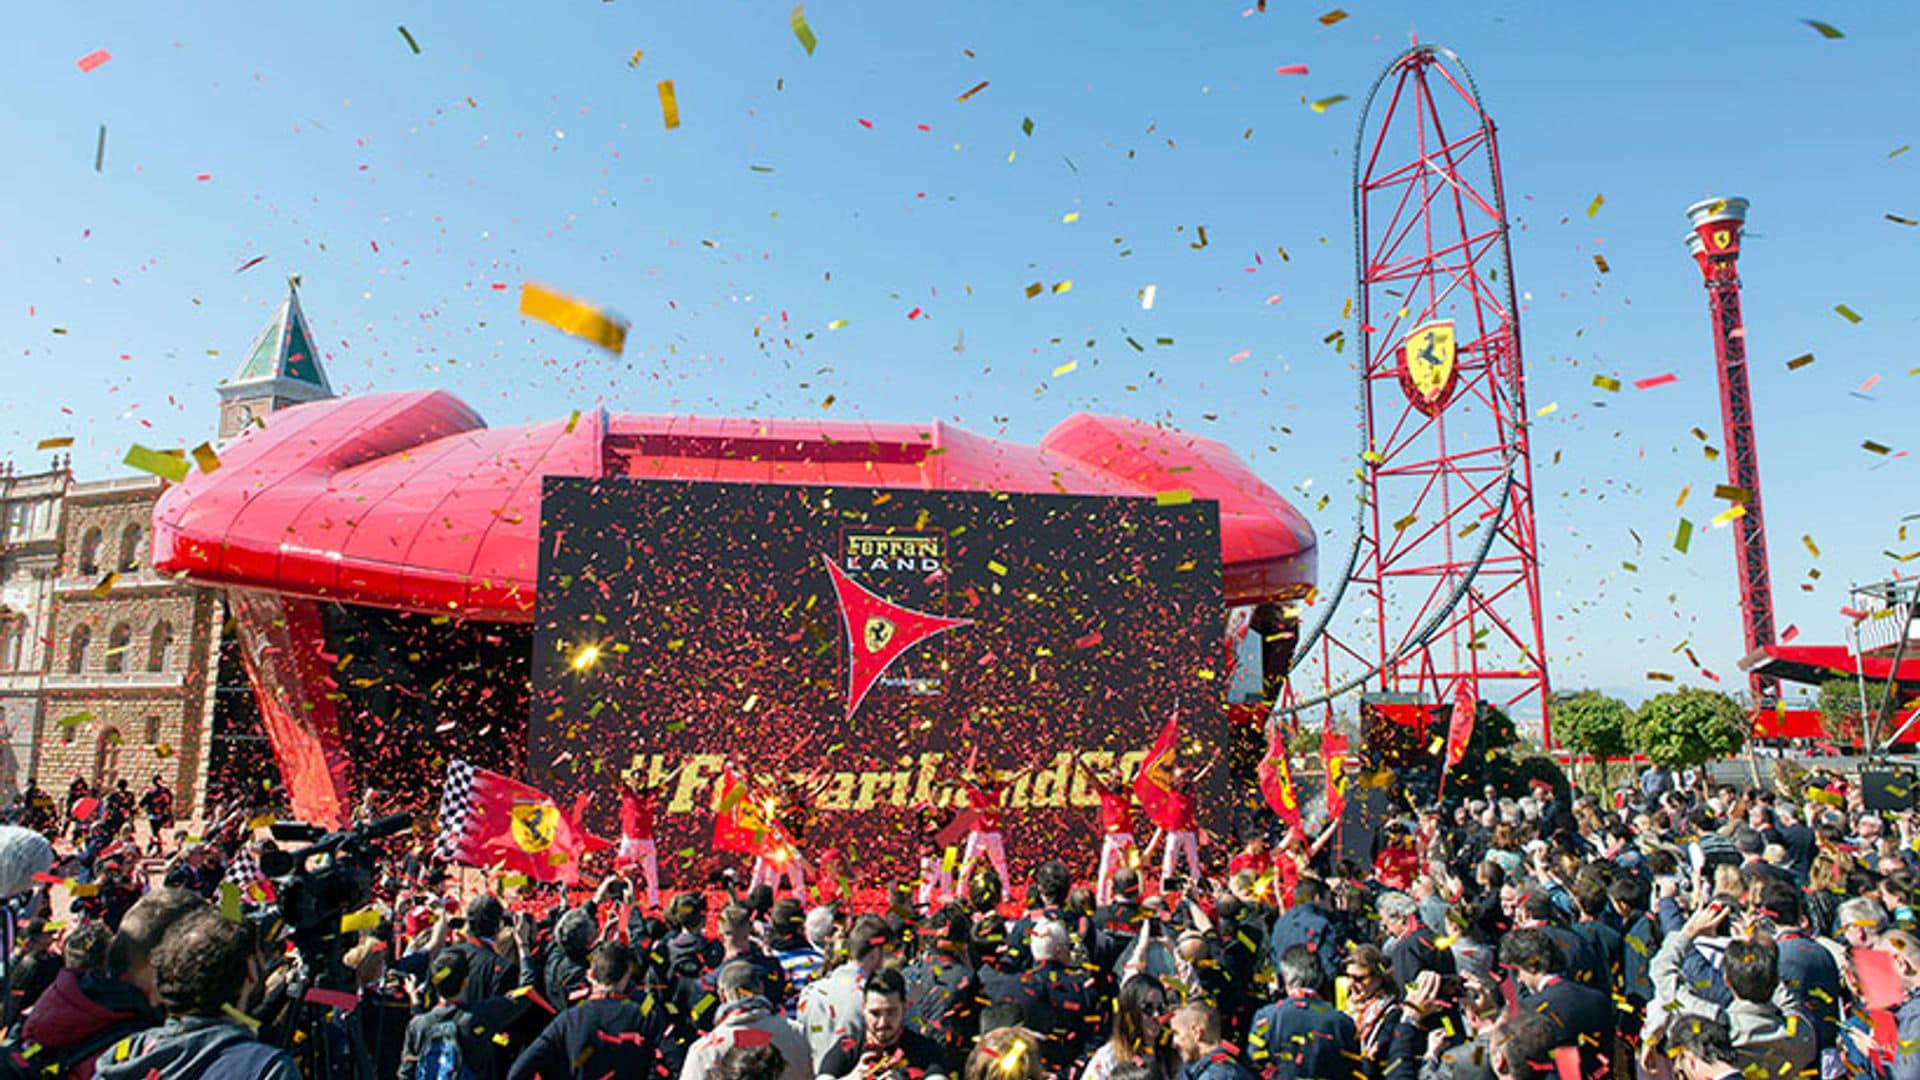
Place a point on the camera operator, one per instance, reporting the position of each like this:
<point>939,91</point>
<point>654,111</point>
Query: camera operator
<point>207,972</point>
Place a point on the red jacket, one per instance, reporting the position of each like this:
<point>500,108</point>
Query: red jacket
<point>73,1011</point>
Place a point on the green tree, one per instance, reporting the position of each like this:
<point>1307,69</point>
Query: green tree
<point>1592,723</point>
<point>1839,702</point>
<point>1689,727</point>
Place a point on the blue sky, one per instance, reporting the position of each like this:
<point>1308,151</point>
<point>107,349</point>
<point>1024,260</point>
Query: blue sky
<point>335,151</point>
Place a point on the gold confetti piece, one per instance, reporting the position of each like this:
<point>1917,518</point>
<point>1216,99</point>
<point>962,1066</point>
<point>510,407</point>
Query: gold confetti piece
<point>1659,676</point>
<point>981,86</point>
<point>367,919</point>
<point>204,456</point>
<point>634,60</point>
<point>1070,218</point>
<point>230,902</point>
<point>1813,548</point>
<point>1323,105</point>
<point>105,585</point>
<point>1548,409</point>
<point>1799,362</point>
<point>1600,262</point>
<point>157,462</point>
<point>1404,523</point>
<point>669,104</point>
<point>800,28</point>
<point>1062,286</point>
<point>1594,206</point>
<point>573,421</point>
<point>1825,30</point>
<point>1732,494</point>
<point>1610,385</point>
<point>1875,448</point>
<point>836,324</point>
<point>1682,500</point>
<point>1847,313</point>
<point>1332,17</point>
<point>1176,497</point>
<point>1898,220</point>
<point>573,316</point>
<point>411,44</point>
<point>828,404</point>
<point>54,443</point>
<point>1035,289</point>
<point>1731,513</point>
<point>1683,536</point>
<point>997,567</point>
<point>1065,368</point>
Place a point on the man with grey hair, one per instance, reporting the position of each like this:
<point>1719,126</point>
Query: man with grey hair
<point>1410,948</point>
<point>1303,1035</point>
<point>747,1018</point>
<point>1057,997</point>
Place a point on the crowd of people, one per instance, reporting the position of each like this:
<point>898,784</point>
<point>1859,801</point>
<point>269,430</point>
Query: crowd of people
<point>1670,930</point>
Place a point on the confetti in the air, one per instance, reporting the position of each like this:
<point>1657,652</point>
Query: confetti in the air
<point>800,28</point>
<point>411,44</point>
<point>571,316</point>
<point>1825,30</point>
<point>94,59</point>
<point>156,462</point>
<point>1847,313</point>
<point>1326,103</point>
<point>1799,362</point>
<point>1332,17</point>
<point>1610,385</point>
<point>982,85</point>
<point>54,443</point>
<point>1652,381</point>
<point>100,150</point>
<point>1291,69</point>
<point>1594,206</point>
<point>669,104</point>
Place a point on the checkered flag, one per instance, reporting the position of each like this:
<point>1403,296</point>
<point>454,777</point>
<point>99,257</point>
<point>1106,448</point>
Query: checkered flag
<point>244,872</point>
<point>456,810</point>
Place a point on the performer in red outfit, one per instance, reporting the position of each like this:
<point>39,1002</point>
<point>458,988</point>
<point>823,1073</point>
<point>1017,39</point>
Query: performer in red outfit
<point>1116,826</point>
<point>1182,826</point>
<point>985,791</point>
<point>639,801</point>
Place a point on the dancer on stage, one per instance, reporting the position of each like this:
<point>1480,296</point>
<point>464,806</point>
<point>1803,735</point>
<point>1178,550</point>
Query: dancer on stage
<point>936,881</point>
<point>985,792</point>
<point>639,801</point>
<point>1182,825</point>
<point>1116,826</point>
<point>788,811</point>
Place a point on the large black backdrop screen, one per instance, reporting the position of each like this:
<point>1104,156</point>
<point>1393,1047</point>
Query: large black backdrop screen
<point>717,637</point>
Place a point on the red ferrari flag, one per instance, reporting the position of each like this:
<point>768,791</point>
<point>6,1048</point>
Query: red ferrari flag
<point>741,824</point>
<point>878,632</point>
<point>1276,781</point>
<point>1333,755</point>
<point>1154,785</point>
<point>498,822</point>
<point>1460,727</point>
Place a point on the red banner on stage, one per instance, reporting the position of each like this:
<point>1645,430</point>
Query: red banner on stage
<point>1154,785</point>
<point>1276,782</point>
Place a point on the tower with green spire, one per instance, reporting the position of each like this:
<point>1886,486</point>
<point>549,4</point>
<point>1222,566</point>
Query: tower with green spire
<point>281,368</point>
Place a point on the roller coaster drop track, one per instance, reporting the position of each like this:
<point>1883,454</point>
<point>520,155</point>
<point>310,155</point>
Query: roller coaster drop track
<point>1444,561</point>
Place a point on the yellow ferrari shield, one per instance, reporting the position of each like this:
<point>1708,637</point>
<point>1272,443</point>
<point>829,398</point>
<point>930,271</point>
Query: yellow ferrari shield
<point>534,825</point>
<point>877,633</point>
<point>1427,370</point>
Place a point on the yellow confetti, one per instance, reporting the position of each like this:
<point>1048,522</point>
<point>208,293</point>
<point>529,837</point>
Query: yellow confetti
<point>1847,313</point>
<point>1683,536</point>
<point>366,919</point>
<point>1063,286</point>
<point>1799,362</point>
<point>1323,105</point>
<point>1065,368</point>
<point>573,421</point>
<point>1176,497</point>
<point>1825,30</point>
<point>669,104</point>
<point>1548,409</point>
<point>997,567</point>
<point>836,324</point>
<point>828,404</point>
<point>1872,447</point>
<point>801,30</point>
<point>1405,523</point>
<point>1332,17</point>
<point>54,443</point>
<point>204,456</point>
<point>1600,263</point>
<point>164,465</point>
<point>1731,513</point>
<point>572,316</point>
<point>73,720</point>
<point>1682,500</point>
<point>1807,539</point>
<point>1610,385</point>
<point>105,585</point>
<point>1594,206</point>
<point>1070,218</point>
<point>634,60</point>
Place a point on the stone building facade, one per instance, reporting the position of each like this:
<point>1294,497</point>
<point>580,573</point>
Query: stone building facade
<point>107,669</point>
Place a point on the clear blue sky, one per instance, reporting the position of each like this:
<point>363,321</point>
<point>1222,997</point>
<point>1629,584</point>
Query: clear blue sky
<point>336,152</point>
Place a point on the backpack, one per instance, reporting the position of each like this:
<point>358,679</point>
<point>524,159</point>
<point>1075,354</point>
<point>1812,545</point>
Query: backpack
<point>441,1055</point>
<point>20,1061</point>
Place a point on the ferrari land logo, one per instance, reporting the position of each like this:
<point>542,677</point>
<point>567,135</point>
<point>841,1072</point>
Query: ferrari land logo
<point>534,825</point>
<point>1722,238</point>
<point>878,632</point>
<point>1427,369</point>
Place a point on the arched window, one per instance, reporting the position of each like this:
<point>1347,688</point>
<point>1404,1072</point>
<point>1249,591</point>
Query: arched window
<point>117,643</point>
<point>130,548</point>
<point>160,646</point>
<point>106,760</point>
<point>90,552</point>
<point>77,649</point>
<point>153,731</point>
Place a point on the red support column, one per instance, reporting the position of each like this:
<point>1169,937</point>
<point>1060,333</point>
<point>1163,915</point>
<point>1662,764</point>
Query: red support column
<point>1715,244</point>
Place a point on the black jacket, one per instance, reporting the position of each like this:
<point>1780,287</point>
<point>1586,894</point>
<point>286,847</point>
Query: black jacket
<point>1582,1017</point>
<point>1312,926</point>
<point>943,1003</point>
<point>1059,1002</point>
<point>1303,1037</point>
<point>924,1057</point>
<point>602,1036</point>
<point>1410,954</point>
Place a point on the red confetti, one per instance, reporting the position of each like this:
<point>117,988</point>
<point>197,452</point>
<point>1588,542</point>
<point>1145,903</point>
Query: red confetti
<point>93,59</point>
<point>1656,380</point>
<point>1291,69</point>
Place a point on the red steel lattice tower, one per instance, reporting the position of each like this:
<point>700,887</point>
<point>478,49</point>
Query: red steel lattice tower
<point>1445,561</point>
<point>1715,244</point>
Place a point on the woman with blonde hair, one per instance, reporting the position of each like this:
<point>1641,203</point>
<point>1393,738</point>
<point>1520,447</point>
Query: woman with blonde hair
<point>1011,1053</point>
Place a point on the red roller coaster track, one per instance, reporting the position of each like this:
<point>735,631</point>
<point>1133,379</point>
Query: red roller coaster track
<point>1444,559</point>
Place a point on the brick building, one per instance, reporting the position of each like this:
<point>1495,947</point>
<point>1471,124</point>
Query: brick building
<point>107,669</point>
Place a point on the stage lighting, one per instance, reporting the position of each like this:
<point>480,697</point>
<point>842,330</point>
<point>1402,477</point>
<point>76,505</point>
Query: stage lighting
<point>584,657</point>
